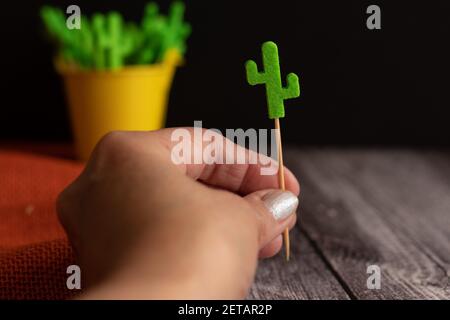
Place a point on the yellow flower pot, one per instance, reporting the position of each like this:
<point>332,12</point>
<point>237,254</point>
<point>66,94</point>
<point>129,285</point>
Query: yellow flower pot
<point>132,98</point>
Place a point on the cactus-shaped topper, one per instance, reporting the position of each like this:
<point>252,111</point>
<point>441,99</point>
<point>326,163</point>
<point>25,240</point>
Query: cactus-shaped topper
<point>176,30</point>
<point>73,44</point>
<point>271,76</point>
<point>152,26</point>
<point>112,46</point>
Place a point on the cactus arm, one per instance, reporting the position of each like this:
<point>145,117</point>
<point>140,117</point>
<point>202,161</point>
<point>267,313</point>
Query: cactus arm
<point>292,89</point>
<point>253,76</point>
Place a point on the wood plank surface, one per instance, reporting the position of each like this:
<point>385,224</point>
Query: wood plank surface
<point>390,208</point>
<point>305,276</point>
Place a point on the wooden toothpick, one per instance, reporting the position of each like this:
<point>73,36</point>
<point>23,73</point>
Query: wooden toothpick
<point>287,243</point>
<point>276,94</point>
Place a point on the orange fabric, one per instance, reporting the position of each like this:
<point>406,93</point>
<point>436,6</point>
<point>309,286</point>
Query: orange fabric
<point>34,252</point>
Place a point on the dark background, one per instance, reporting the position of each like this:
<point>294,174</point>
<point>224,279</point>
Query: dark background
<point>359,86</point>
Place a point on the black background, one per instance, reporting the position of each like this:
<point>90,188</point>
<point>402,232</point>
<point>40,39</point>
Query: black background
<point>359,86</point>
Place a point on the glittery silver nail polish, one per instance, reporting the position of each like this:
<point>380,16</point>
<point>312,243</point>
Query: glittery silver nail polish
<point>280,203</point>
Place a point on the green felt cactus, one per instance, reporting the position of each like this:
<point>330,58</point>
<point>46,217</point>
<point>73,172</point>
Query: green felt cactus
<point>271,77</point>
<point>55,22</point>
<point>83,44</point>
<point>152,26</point>
<point>74,45</point>
<point>111,44</point>
<point>163,33</point>
<point>176,30</point>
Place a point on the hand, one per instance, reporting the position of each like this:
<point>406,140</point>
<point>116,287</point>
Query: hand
<point>143,227</point>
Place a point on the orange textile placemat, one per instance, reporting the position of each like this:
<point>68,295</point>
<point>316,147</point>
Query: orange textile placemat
<point>34,251</point>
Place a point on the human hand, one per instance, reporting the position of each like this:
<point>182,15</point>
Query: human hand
<point>143,227</point>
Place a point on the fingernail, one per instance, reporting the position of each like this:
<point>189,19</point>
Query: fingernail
<point>280,203</point>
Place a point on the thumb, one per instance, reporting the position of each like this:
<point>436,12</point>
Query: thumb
<point>275,211</point>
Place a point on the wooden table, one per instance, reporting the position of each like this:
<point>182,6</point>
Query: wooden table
<point>361,207</point>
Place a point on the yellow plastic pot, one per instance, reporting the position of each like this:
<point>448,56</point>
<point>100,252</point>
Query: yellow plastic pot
<point>132,98</point>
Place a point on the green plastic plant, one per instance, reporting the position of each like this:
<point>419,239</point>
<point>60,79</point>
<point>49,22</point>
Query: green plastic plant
<point>271,76</point>
<point>106,42</point>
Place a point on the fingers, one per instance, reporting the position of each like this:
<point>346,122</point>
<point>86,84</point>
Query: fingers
<point>272,248</point>
<point>275,245</point>
<point>275,211</point>
<point>242,178</point>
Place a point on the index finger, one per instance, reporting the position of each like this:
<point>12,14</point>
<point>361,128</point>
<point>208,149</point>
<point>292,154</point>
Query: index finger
<point>242,178</point>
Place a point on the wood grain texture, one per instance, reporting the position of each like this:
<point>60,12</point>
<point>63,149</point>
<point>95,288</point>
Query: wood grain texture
<point>305,276</point>
<point>385,207</point>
